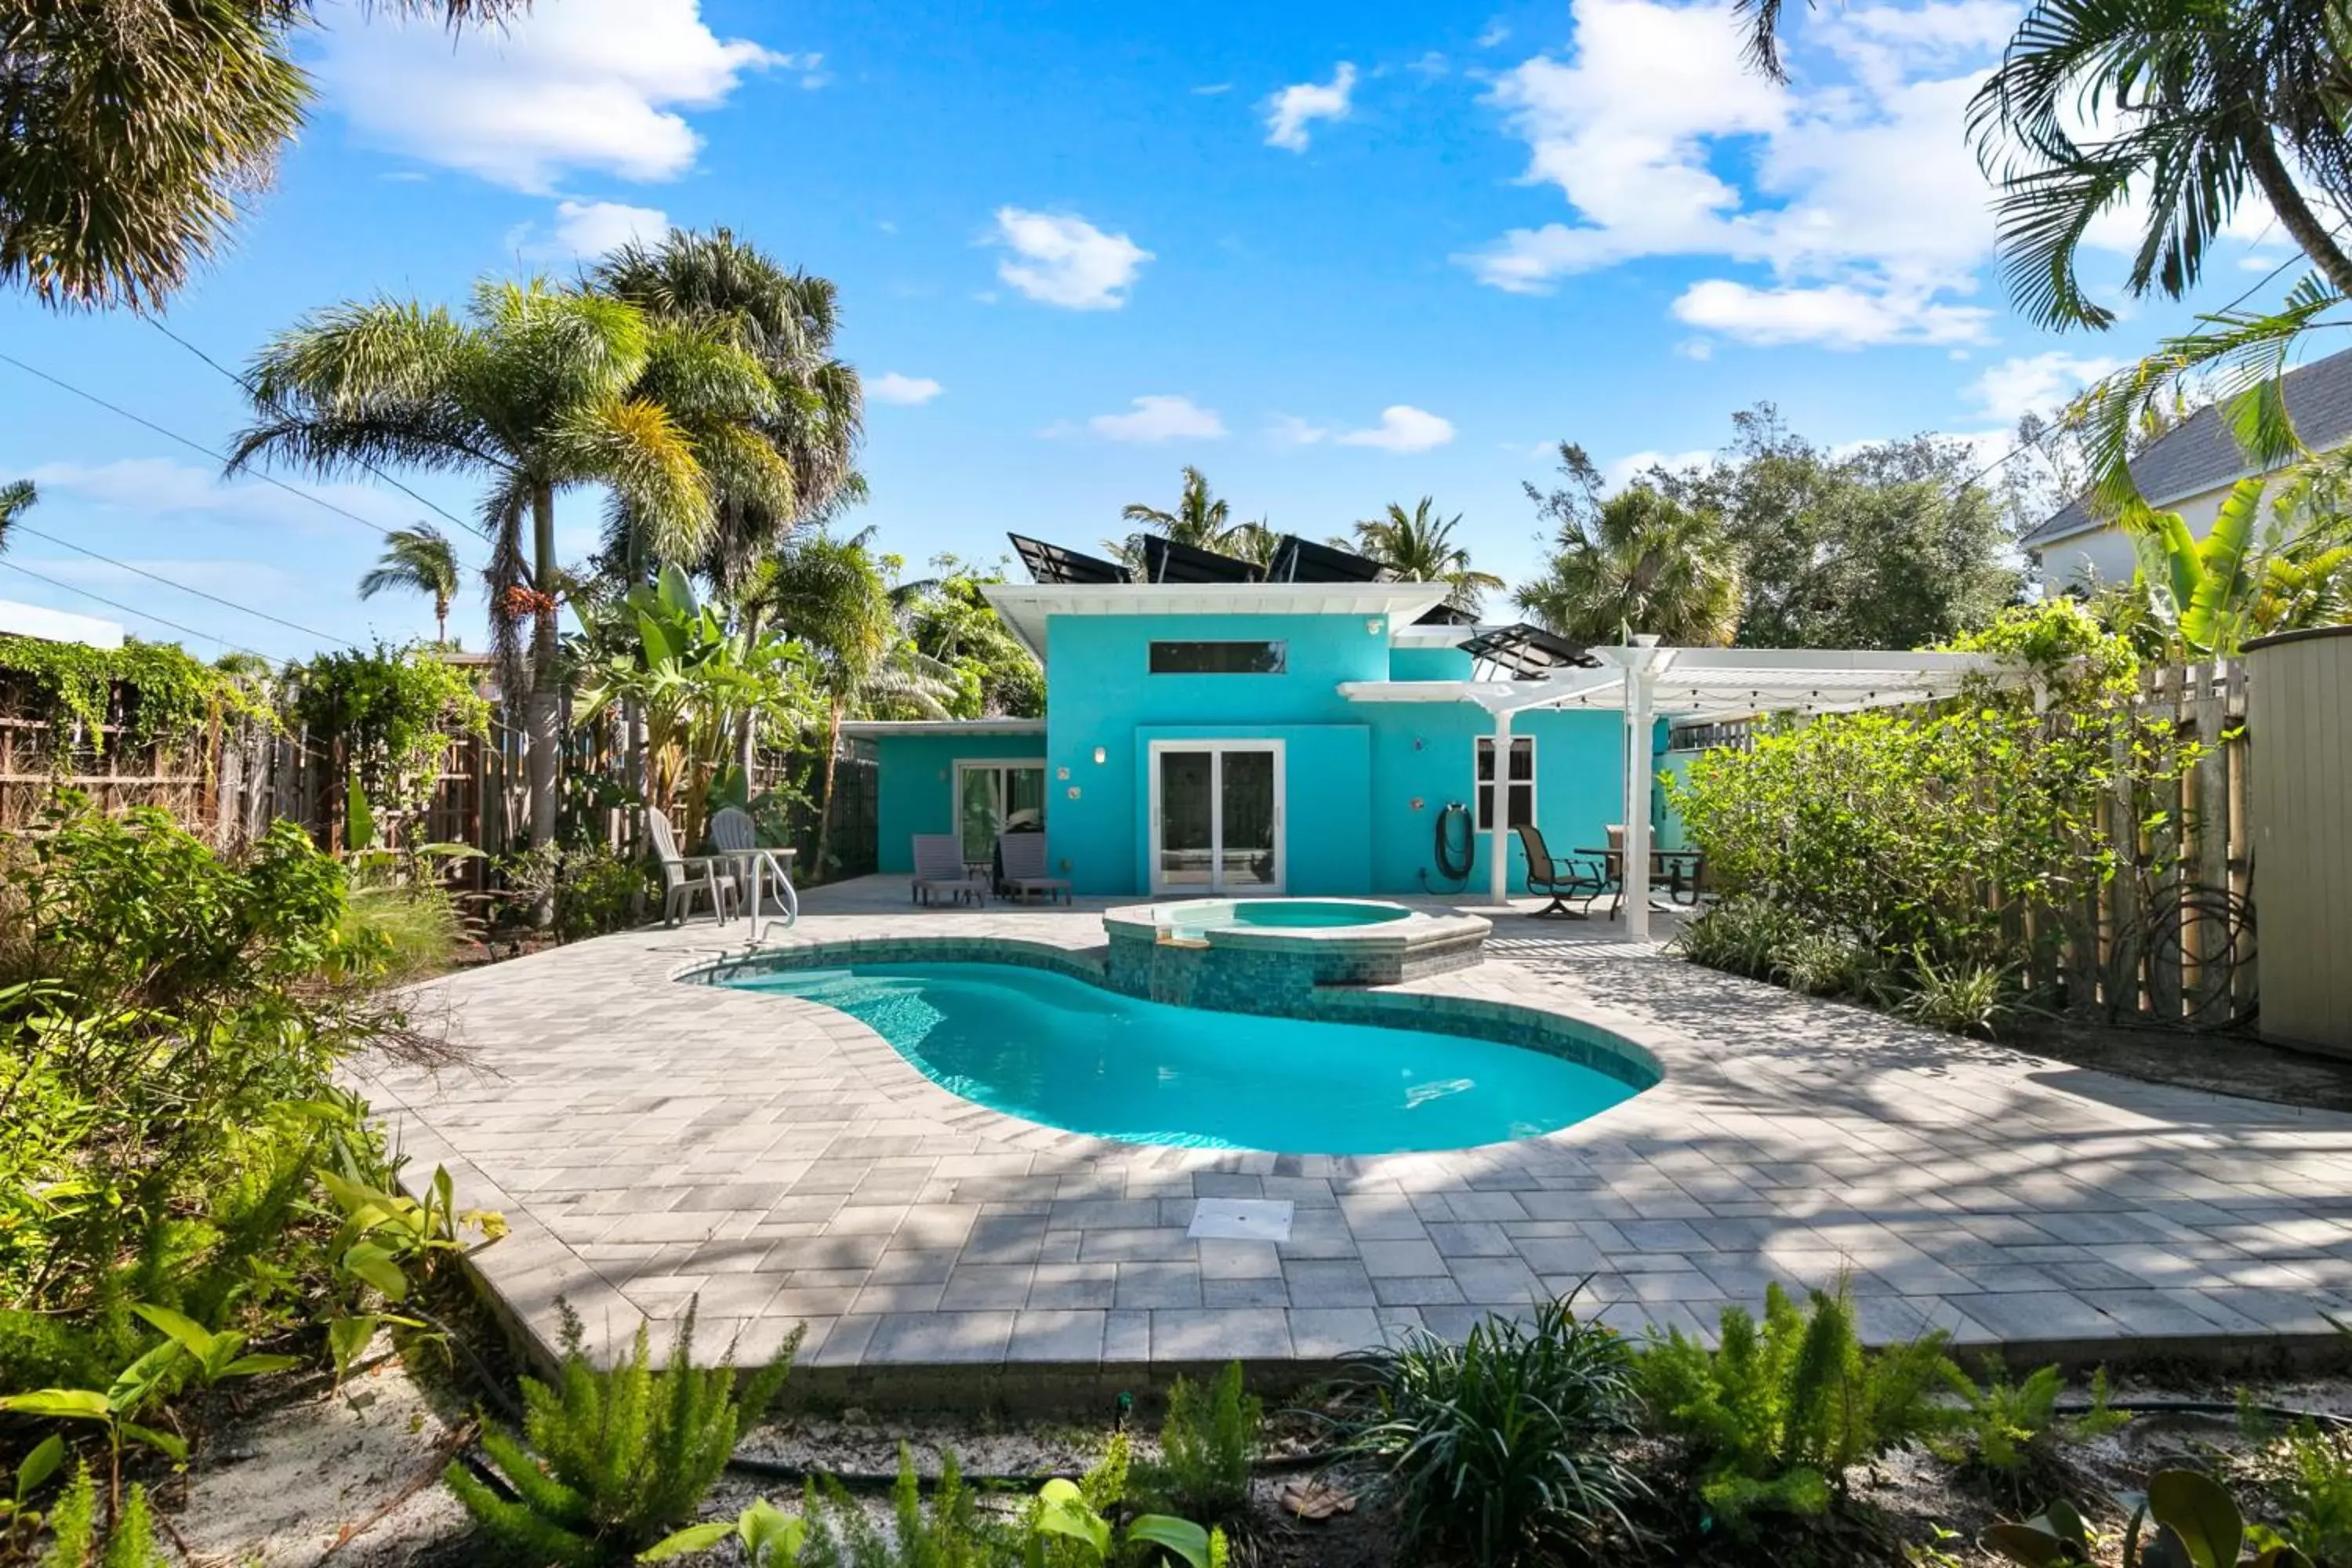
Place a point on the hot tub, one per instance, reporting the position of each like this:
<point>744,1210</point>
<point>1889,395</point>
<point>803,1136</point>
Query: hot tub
<point>1268,955</point>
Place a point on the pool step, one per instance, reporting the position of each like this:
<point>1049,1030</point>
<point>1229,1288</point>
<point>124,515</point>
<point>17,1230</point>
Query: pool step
<point>1170,939</point>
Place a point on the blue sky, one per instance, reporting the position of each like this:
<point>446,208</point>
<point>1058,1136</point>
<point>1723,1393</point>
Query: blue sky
<point>1335,255</point>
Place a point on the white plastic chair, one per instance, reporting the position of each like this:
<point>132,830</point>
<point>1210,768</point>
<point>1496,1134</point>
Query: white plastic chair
<point>683,876</point>
<point>733,831</point>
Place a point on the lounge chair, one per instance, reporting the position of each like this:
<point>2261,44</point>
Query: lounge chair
<point>939,868</point>
<point>683,876</point>
<point>1560,880</point>
<point>1021,868</point>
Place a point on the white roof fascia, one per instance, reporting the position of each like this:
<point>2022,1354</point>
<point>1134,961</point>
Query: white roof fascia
<point>1025,606</point>
<point>879,729</point>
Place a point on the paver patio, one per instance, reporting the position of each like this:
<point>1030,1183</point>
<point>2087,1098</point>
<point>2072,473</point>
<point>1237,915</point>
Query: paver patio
<point>650,1142</point>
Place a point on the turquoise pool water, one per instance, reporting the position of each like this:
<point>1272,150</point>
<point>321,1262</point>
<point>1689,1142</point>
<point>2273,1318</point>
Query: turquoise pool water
<point>1051,1048</point>
<point>1289,914</point>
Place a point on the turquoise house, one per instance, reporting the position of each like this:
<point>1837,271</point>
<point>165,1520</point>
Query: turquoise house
<point>1254,737</point>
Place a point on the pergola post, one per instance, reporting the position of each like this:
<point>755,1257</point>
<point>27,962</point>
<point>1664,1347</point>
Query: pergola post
<point>1640,674</point>
<point>1499,838</point>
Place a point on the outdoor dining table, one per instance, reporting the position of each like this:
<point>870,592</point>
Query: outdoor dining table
<point>1680,867</point>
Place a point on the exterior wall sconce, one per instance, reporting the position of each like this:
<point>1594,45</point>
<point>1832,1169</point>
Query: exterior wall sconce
<point>1074,792</point>
<point>1101,756</point>
<point>1062,774</point>
<point>1374,625</point>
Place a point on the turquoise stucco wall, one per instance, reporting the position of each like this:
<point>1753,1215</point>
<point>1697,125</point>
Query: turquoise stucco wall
<point>916,787</point>
<point>1101,695</point>
<point>1427,752</point>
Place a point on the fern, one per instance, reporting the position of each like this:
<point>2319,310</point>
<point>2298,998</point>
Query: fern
<point>1206,1445</point>
<point>948,1533</point>
<point>73,1524</point>
<point>132,1542</point>
<point>1775,1416</point>
<point>609,1462</point>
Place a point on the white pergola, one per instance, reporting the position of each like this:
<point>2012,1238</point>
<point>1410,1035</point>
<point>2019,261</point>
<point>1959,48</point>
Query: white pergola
<point>1647,681</point>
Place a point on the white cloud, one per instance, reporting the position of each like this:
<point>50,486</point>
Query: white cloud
<point>586,230</point>
<point>1402,428</point>
<point>909,390</point>
<point>157,487</point>
<point>2036,384</point>
<point>592,85</point>
<point>1665,144</point>
<point>1622,471</point>
<point>1291,110</point>
<point>1158,418</point>
<point>1834,315</point>
<point>1213,89</point>
<point>1290,430</point>
<point>1496,34</point>
<point>1066,260</point>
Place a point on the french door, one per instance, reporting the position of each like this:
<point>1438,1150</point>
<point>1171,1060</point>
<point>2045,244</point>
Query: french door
<point>994,797</point>
<point>1216,817</point>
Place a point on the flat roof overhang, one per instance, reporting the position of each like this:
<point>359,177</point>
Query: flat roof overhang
<point>1027,606</point>
<point>883,729</point>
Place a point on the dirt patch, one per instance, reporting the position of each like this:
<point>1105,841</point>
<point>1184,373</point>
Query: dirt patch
<point>2231,1064</point>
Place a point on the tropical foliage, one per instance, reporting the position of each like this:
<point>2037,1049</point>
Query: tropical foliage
<point>1201,519</point>
<point>536,389</point>
<point>696,685</point>
<point>834,595</point>
<point>2278,556</point>
<point>419,560</point>
<point>949,619</point>
<point>1419,546</point>
<point>17,497</point>
<point>388,718</point>
<point>131,137</point>
<point>718,287</point>
<point>1635,563</point>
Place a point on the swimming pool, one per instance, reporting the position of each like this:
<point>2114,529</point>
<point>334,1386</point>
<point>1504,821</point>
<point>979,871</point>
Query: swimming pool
<point>1049,1048</point>
<point>1285,914</point>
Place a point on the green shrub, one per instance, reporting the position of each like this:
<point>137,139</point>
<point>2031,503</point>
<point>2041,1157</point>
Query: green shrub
<point>1821,963</point>
<point>73,1524</point>
<point>2010,1430</point>
<point>416,926</point>
<point>1504,1448</point>
<point>1207,1445</point>
<point>170,1019</point>
<point>1738,935</point>
<point>592,889</point>
<point>2196,1525</point>
<point>609,1462</point>
<point>1773,1418</point>
<point>947,1533</point>
<point>1965,998</point>
<point>2315,1494</point>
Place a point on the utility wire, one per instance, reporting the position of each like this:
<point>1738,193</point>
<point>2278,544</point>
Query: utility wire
<point>193,445</point>
<point>182,587</point>
<point>246,387</point>
<point>143,614</point>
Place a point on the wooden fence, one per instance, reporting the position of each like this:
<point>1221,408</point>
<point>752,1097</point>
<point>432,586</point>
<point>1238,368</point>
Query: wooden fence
<point>2170,939</point>
<point>229,783</point>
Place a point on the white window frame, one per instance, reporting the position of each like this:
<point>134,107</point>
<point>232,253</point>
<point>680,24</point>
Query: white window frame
<point>1217,813</point>
<point>1485,787</point>
<point>965,765</point>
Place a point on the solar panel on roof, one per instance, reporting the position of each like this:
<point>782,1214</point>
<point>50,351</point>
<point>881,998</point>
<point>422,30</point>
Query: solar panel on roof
<point>1297,560</point>
<point>1165,560</point>
<point>1527,653</point>
<point>1051,563</point>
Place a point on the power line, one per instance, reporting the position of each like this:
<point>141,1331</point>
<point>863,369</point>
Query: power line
<point>182,587</point>
<point>246,387</point>
<point>143,614</point>
<point>193,445</point>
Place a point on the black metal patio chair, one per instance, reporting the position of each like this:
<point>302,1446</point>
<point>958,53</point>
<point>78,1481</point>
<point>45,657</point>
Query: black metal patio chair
<point>1560,880</point>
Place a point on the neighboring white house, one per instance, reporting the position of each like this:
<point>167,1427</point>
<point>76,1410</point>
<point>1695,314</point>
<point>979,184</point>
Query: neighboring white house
<point>2189,469</point>
<point>57,626</point>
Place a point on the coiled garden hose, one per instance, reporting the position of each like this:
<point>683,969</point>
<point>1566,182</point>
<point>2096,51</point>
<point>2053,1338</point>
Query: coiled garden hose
<point>1457,847</point>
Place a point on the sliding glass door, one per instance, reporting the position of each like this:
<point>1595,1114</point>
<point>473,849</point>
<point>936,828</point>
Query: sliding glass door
<point>1216,817</point>
<point>994,797</point>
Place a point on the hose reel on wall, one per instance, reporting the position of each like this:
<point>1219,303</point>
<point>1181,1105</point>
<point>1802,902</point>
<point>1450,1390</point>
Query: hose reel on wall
<point>1456,847</point>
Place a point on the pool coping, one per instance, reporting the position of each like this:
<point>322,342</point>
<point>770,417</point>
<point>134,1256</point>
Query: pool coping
<point>1831,1134</point>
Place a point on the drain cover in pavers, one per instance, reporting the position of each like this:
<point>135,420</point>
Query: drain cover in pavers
<point>1241,1219</point>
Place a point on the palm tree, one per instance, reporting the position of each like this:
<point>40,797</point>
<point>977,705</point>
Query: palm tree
<point>535,389</point>
<point>419,560</point>
<point>1255,543</point>
<point>14,500</point>
<point>136,134</point>
<point>831,594</point>
<point>1418,546</point>
<point>2193,106</point>
<point>1200,520</point>
<point>786,320</point>
<point>1641,563</point>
